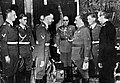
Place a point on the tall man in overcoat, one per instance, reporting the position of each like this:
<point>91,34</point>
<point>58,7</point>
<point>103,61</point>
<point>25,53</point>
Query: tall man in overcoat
<point>41,52</point>
<point>107,51</point>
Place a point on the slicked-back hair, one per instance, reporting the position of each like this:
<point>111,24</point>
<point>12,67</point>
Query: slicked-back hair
<point>84,19</point>
<point>94,15</point>
<point>106,14</point>
<point>8,11</point>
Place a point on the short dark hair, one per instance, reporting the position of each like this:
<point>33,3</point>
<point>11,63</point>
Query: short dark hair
<point>106,14</point>
<point>8,11</point>
<point>84,19</point>
<point>22,15</point>
<point>93,15</point>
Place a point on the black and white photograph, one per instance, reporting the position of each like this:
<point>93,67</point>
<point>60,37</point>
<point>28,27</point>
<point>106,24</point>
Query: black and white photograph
<point>59,41</point>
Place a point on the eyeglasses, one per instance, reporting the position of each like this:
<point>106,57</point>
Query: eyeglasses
<point>65,20</point>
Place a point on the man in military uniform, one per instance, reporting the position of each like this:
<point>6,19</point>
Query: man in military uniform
<point>41,52</point>
<point>94,30</point>
<point>64,34</point>
<point>26,43</point>
<point>9,47</point>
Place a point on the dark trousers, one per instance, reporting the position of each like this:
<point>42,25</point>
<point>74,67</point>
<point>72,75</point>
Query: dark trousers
<point>10,79</point>
<point>66,59</point>
<point>106,74</point>
<point>23,76</point>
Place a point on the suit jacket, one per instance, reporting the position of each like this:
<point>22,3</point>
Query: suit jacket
<point>107,51</point>
<point>81,43</point>
<point>8,33</point>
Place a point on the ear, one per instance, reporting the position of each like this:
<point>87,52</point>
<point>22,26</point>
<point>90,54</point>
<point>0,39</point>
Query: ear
<point>19,20</point>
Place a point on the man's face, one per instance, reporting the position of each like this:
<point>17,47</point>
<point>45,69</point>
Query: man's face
<point>91,20</point>
<point>41,18</point>
<point>100,17</point>
<point>23,21</point>
<point>12,15</point>
<point>65,21</point>
<point>78,21</point>
<point>50,19</point>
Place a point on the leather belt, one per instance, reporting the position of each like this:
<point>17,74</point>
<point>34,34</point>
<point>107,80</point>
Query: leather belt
<point>95,42</point>
<point>12,42</point>
<point>22,43</point>
<point>25,43</point>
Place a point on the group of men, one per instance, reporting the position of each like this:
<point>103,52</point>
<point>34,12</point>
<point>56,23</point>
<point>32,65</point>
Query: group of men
<point>100,54</point>
<point>20,51</point>
<point>17,48</point>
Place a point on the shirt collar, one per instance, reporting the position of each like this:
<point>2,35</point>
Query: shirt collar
<point>23,27</point>
<point>9,21</point>
<point>93,25</point>
<point>45,24</point>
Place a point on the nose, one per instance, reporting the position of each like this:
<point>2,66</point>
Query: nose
<point>15,16</point>
<point>75,22</point>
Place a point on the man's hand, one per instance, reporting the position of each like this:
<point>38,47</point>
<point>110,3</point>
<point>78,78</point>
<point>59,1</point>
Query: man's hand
<point>37,42</point>
<point>42,64</point>
<point>100,65</point>
<point>7,58</point>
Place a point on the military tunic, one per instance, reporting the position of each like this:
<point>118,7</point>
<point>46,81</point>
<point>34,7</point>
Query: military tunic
<point>26,40</point>
<point>81,46</point>
<point>41,51</point>
<point>94,48</point>
<point>65,33</point>
<point>8,33</point>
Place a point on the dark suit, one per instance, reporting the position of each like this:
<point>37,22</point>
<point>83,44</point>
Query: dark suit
<point>8,33</point>
<point>41,52</point>
<point>26,40</point>
<point>107,52</point>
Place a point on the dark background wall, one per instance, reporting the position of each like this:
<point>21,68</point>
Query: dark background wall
<point>5,4</point>
<point>68,8</point>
